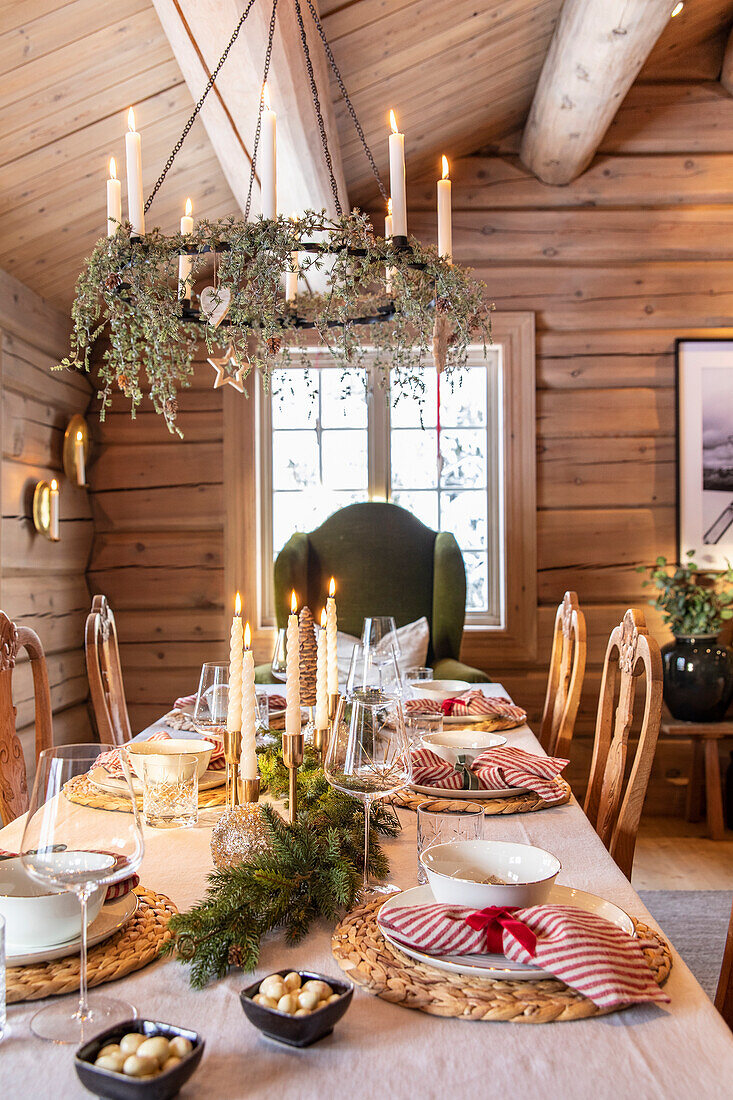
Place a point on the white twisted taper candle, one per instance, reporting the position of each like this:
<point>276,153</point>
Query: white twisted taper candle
<point>248,759</point>
<point>236,644</point>
<point>331,640</point>
<point>321,717</point>
<point>292,672</point>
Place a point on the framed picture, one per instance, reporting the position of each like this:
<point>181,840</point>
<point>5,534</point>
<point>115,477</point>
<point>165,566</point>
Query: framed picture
<point>705,450</point>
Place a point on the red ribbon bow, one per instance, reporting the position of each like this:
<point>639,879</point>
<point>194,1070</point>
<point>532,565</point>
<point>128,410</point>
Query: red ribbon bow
<point>447,706</point>
<point>495,919</point>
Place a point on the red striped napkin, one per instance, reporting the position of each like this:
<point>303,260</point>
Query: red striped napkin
<point>277,702</point>
<point>502,768</point>
<point>110,760</point>
<point>469,703</point>
<point>116,890</point>
<point>588,953</point>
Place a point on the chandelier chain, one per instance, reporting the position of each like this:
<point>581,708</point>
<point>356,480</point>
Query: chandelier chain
<point>258,131</point>
<point>347,100</point>
<point>317,106</point>
<point>209,85</point>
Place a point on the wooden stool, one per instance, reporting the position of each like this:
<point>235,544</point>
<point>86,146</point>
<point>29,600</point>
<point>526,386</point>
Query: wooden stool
<point>705,737</point>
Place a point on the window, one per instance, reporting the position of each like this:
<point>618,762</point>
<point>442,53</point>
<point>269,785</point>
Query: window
<point>463,462</point>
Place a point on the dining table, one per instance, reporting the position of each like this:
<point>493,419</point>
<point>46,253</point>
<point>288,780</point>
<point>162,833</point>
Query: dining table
<point>682,1049</point>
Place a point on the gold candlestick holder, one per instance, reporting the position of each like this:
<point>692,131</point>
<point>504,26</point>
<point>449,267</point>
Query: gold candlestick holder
<point>248,790</point>
<point>293,758</point>
<point>232,752</point>
<point>320,743</point>
<point>333,702</point>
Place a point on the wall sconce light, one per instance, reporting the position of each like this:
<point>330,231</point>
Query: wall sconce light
<point>77,446</point>
<point>46,509</point>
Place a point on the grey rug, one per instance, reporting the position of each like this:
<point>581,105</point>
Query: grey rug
<point>696,922</point>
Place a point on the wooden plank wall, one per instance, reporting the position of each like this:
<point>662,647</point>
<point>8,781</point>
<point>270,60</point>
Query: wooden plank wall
<point>158,543</point>
<point>42,584</point>
<point>615,266</point>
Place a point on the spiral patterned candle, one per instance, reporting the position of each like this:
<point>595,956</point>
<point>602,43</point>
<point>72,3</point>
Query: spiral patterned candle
<point>321,717</point>
<point>248,759</point>
<point>236,645</point>
<point>331,640</point>
<point>292,672</point>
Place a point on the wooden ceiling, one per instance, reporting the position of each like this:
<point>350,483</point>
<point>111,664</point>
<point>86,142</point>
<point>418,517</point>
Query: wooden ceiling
<point>459,74</point>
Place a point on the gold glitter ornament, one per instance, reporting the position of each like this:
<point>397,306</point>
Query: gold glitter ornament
<point>238,834</point>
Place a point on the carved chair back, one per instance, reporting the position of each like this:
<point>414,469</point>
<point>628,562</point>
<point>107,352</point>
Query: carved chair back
<point>13,772</point>
<point>105,674</point>
<point>614,807</point>
<point>565,678</point>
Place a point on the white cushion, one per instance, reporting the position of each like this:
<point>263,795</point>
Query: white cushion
<point>414,639</point>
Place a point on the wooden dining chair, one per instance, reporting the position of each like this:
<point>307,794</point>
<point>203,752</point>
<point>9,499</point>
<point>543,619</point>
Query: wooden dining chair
<point>724,994</point>
<point>614,807</point>
<point>105,674</point>
<point>13,772</point>
<point>565,678</point>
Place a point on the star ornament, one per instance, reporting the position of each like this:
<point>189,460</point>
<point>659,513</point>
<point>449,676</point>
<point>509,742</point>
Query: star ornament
<point>229,372</point>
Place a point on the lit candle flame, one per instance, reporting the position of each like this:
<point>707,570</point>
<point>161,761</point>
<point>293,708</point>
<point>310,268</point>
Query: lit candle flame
<point>389,207</point>
<point>189,208</point>
<point>293,602</point>
<point>677,9</point>
<point>393,122</point>
<point>247,637</point>
<point>323,619</point>
<point>131,120</point>
<point>237,604</point>
<point>79,437</point>
<point>54,486</point>
<point>332,588</point>
<point>112,168</point>
<point>266,96</point>
<point>446,168</point>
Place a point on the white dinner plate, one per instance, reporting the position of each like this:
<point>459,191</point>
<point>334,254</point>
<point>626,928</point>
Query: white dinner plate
<point>469,796</point>
<point>98,776</point>
<point>112,916</point>
<point>497,966</point>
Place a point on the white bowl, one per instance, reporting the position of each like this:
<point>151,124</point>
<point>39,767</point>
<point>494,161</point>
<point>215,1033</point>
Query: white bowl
<point>34,915</point>
<point>455,872</point>
<point>439,689</point>
<point>452,743</point>
<point>175,746</point>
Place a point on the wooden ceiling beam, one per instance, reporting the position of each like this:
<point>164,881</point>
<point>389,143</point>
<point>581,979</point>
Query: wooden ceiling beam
<point>596,52</point>
<point>198,31</point>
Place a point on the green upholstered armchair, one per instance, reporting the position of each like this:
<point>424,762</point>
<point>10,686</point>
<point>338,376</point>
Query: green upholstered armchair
<point>385,562</point>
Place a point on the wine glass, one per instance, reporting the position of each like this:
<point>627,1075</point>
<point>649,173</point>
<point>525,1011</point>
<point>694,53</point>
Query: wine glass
<point>368,756</point>
<point>380,633</point>
<point>279,658</point>
<point>98,847</point>
<point>212,699</point>
<point>368,670</point>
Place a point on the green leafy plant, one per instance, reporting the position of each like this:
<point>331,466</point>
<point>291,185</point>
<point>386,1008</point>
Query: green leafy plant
<point>312,870</point>
<point>693,600</point>
<point>129,288</point>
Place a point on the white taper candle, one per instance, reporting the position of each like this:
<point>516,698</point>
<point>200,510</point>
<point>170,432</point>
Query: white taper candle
<point>445,215</point>
<point>236,646</point>
<point>248,758</point>
<point>321,716</point>
<point>134,157</point>
<point>397,184</point>
<point>332,640</point>
<point>292,671</point>
<point>185,262</point>
<point>267,162</point>
<point>114,199</point>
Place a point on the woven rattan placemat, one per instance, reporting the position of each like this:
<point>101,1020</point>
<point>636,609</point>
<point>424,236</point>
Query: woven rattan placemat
<point>362,951</point>
<point>130,949</point>
<point>517,804</point>
<point>85,793</point>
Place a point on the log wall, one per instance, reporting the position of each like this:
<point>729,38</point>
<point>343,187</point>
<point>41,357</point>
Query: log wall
<point>42,584</point>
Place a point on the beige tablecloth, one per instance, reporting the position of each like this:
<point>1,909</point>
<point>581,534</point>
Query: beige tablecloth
<point>682,1050</point>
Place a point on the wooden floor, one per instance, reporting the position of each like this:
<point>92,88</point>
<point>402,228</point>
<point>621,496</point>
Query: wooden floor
<point>672,854</point>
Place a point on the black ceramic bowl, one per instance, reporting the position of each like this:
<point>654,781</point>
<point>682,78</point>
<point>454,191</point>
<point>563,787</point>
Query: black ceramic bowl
<point>116,1086</point>
<point>298,1031</point>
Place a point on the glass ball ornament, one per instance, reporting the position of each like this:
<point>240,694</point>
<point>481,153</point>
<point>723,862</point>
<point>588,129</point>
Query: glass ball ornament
<point>238,834</point>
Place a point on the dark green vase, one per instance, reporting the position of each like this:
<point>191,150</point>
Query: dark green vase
<point>698,678</point>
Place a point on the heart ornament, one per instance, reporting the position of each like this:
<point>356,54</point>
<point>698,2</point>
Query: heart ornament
<point>215,302</point>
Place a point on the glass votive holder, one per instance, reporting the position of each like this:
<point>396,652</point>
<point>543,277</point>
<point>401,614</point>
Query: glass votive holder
<point>417,725</point>
<point>171,791</point>
<point>440,826</point>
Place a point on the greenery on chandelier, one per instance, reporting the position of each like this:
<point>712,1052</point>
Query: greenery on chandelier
<point>694,600</point>
<point>130,287</point>
<point>312,869</point>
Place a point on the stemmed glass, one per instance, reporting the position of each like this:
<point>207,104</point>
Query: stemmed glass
<point>212,699</point>
<point>368,756</point>
<point>369,670</point>
<point>279,657</point>
<point>380,633</point>
<point>98,847</point>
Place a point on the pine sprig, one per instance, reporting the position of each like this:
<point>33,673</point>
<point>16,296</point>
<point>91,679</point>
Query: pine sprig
<point>312,869</point>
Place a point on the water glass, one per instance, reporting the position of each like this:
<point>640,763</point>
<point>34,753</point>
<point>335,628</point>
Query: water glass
<point>262,717</point>
<point>417,674</point>
<point>171,791</point>
<point>2,977</point>
<point>439,826</point>
<point>212,699</point>
<point>417,725</point>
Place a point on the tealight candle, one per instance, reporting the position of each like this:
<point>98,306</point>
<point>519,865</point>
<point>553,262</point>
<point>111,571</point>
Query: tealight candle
<point>292,670</point>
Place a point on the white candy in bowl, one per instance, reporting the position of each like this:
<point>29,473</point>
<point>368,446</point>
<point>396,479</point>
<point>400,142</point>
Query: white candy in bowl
<point>36,917</point>
<point>173,747</point>
<point>438,690</point>
<point>449,744</point>
<point>481,873</point>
